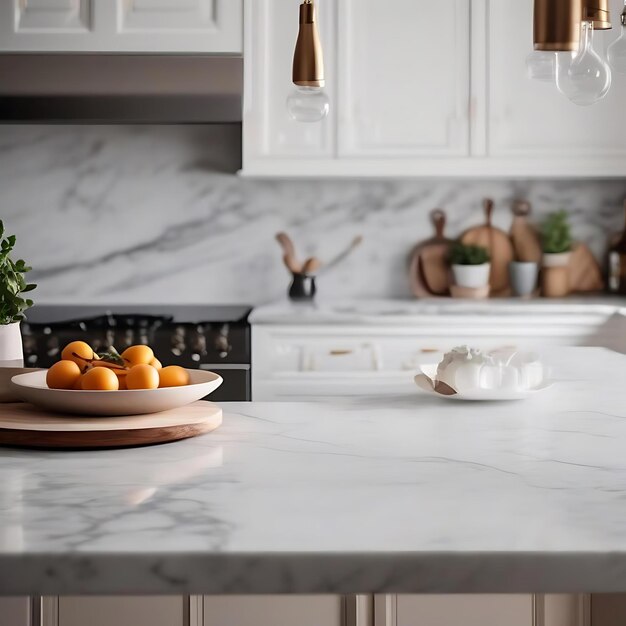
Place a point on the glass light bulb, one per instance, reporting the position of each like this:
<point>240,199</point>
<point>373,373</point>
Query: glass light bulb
<point>617,50</point>
<point>585,77</point>
<point>541,65</point>
<point>308,104</point>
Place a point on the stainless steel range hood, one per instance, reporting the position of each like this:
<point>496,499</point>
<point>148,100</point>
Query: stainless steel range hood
<point>114,89</point>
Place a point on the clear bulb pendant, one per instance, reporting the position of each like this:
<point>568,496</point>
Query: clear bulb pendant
<point>585,77</point>
<point>617,50</point>
<point>541,65</point>
<point>308,104</point>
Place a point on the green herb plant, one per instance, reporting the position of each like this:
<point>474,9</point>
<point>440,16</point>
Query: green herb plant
<point>12,282</point>
<point>462,254</point>
<point>556,236</point>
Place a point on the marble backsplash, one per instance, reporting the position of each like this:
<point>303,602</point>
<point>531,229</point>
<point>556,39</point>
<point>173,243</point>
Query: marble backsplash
<point>133,214</point>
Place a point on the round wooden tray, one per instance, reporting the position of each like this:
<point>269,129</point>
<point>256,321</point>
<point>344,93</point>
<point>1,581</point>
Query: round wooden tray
<point>24,425</point>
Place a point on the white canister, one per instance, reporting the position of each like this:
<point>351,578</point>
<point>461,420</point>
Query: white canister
<point>11,354</point>
<point>473,276</point>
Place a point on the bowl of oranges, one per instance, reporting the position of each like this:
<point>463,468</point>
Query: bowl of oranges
<point>107,384</point>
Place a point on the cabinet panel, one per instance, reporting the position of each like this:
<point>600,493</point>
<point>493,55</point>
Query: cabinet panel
<point>464,610</point>
<point>121,611</point>
<point>269,131</point>
<point>208,26</point>
<point>177,25</point>
<point>52,15</point>
<point>404,82</point>
<point>273,610</point>
<point>529,118</point>
<point>14,611</point>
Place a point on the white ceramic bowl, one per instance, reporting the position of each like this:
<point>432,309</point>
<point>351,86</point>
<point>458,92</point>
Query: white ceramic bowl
<point>424,382</point>
<point>32,388</point>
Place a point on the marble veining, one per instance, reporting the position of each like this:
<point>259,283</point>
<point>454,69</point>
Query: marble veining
<point>142,214</point>
<point>407,493</point>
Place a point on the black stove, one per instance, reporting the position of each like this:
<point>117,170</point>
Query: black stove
<point>215,338</point>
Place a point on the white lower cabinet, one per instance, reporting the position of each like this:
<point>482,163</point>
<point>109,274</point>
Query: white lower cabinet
<point>292,610</point>
<point>320,610</point>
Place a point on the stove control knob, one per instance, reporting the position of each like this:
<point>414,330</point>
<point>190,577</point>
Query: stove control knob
<point>178,341</point>
<point>222,343</point>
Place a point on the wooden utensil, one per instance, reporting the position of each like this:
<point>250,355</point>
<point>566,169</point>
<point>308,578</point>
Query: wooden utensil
<point>429,273</point>
<point>500,249</point>
<point>290,258</point>
<point>311,266</point>
<point>355,243</point>
<point>24,425</point>
<point>584,271</point>
<point>524,236</point>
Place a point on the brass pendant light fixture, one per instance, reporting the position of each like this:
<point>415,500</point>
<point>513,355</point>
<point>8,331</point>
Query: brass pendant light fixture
<point>564,50</point>
<point>308,102</point>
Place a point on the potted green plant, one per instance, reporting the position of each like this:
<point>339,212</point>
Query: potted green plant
<point>13,286</point>
<point>470,265</point>
<point>556,240</point>
<point>556,243</point>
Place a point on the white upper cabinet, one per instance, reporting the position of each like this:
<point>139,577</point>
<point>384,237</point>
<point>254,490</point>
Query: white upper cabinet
<point>150,26</point>
<point>403,84</point>
<point>422,88</point>
<point>530,123</point>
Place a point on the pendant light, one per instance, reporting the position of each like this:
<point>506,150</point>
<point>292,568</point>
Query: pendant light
<point>564,48</point>
<point>308,101</point>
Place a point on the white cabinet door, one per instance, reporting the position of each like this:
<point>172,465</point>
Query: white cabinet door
<point>185,26</point>
<point>292,610</point>
<point>457,610</point>
<point>531,122</point>
<point>121,611</point>
<point>269,132</point>
<point>404,81</point>
<point>15,611</point>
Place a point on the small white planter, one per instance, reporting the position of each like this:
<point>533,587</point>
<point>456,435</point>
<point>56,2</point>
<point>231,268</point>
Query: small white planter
<point>11,354</point>
<point>555,259</point>
<point>523,277</point>
<point>472,276</point>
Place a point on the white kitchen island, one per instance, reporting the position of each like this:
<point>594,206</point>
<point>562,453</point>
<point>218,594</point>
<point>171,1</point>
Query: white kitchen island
<point>409,494</point>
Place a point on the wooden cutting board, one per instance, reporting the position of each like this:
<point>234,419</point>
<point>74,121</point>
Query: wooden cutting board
<point>27,426</point>
<point>524,236</point>
<point>500,249</point>
<point>584,271</point>
<point>429,272</point>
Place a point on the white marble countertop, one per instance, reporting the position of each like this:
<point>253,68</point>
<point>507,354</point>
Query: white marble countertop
<point>401,494</point>
<point>407,311</point>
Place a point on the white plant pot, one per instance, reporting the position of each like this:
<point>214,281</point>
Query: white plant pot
<point>11,354</point>
<point>473,276</point>
<point>555,259</point>
<point>523,277</point>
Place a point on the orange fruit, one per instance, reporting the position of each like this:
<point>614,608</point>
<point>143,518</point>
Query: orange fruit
<point>156,363</point>
<point>79,352</point>
<point>63,375</point>
<point>173,376</point>
<point>138,355</point>
<point>101,379</point>
<point>142,376</point>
